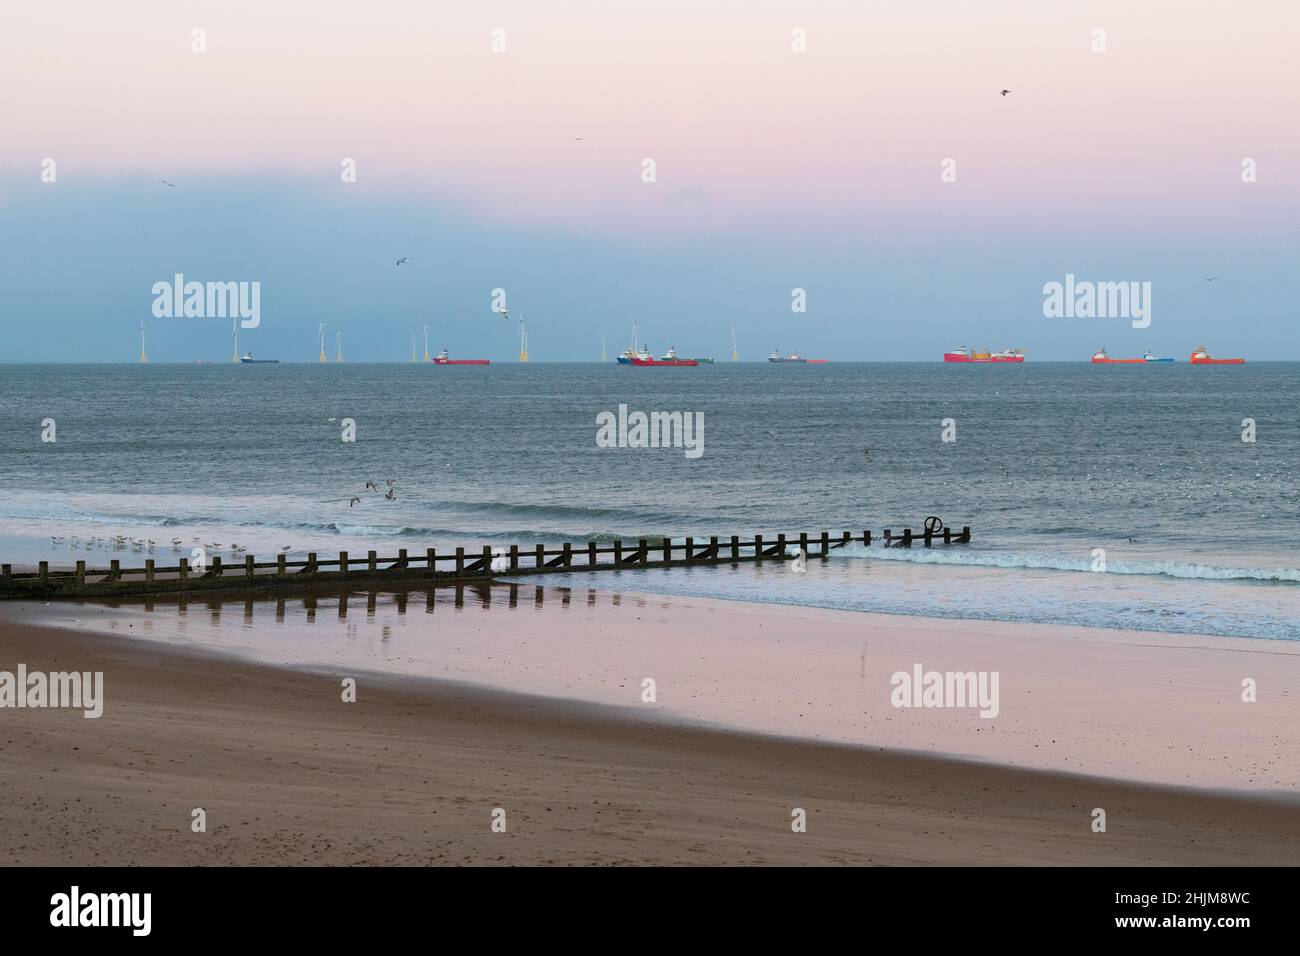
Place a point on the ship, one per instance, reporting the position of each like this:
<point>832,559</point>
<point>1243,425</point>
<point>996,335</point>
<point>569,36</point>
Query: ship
<point>776,356</point>
<point>704,361</point>
<point>1148,357</point>
<point>442,359</point>
<point>643,357</point>
<point>964,354</point>
<point>247,359</point>
<point>1101,358</point>
<point>1202,357</point>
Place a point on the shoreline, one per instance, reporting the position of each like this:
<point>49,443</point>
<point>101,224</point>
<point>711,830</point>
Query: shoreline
<point>411,772</point>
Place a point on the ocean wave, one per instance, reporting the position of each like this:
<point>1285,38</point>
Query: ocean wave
<point>1063,562</point>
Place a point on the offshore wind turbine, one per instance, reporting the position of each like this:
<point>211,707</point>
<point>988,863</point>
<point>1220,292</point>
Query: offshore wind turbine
<point>523,339</point>
<point>323,358</point>
<point>338,346</point>
<point>426,344</point>
<point>735,356</point>
<point>415,357</point>
<point>234,339</point>
<point>602,345</point>
<point>144,356</point>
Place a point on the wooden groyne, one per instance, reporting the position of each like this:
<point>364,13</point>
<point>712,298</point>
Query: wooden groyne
<point>432,567</point>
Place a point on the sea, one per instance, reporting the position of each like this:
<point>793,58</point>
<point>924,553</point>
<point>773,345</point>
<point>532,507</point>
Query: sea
<point>1101,496</point>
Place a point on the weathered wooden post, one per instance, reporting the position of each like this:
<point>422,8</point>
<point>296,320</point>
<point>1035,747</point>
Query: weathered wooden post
<point>343,562</point>
<point>115,570</point>
<point>280,570</point>
<point>713,547</point>
<point>372,561</point>
<point>690,548</point>
<point>81,572</point>
<point>758,547</point>
<point>929,533</point>
<point>568,554</point>
<point>826,545</point>
<point>514,557</point>
<point>248,566</point>
<point>591,553</point>
<point>668,550</point>
<point>541,555</point>
<point>866,537</point>
<point>431,558</point>
<point>965,534</point>
<point>401,558</point>
<point>460,560</point>
<point>148,570</point>
<point>183,569</point>
<point>735,547</point>
<point>618,550</point>
<point>44,571</point>
<point>907,537</point>
<point>214,571</point>
<point>888,537</point>
<point>643,551</point>
<point>780,545</point>
<point>947,535</point>
<point>803,543</point>
<point>487,559</point>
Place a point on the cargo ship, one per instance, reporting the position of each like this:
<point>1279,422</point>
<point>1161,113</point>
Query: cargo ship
<point>442,359</point>
<point>247,359</point>
<point>1202,357</point>
<point>1101,358</point>
<point>964,354</point>
<point>642,356</point>
<point>1148,357</point>
<point>776,356</point>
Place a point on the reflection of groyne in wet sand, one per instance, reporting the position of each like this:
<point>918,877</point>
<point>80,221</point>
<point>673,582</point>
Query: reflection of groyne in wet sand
<point>413,569</point>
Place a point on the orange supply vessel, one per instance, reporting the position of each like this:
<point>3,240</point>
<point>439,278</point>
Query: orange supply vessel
<point>442,359</point>
<point>1202,357</point>
<point>964,354</point>
<point>1101,358</point>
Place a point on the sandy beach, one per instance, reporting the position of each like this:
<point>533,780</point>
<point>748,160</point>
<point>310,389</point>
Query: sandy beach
<point>411,772</point>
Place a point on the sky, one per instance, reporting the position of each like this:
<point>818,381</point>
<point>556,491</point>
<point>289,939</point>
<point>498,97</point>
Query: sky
<point>504,145</point>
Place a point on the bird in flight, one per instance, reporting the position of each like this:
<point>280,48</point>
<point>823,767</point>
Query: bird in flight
<point>403,259</point>
<point>355,501</point>
<point>172,185</point>
<point>1210,278</point>
<point>1005,92</point>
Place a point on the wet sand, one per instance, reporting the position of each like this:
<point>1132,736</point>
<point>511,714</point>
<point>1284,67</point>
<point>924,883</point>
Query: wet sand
<point>411,772</point>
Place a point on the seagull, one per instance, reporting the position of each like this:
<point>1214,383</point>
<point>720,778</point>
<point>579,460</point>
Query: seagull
<point>355,500</point>
<point>391,496</point>
<point>286,547</point>
<point>371,486</point>
<point>1210,278</point>
<point>331,419</point>
<point>389,482</point>
<point>403,259</point>
<point>172,185</point>
<point>1005,92</point>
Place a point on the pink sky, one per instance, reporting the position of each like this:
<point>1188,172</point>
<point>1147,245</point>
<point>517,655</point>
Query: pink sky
<point>742,129</point>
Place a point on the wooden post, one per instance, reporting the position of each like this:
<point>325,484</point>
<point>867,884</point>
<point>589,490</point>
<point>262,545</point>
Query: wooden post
<point>591,553</point>
<point>735,547</point>
<point>343,561</point>
<point>907,537</point>
<point>888,537</point>
<point>826,545</point>
<point>713,547</point>
<point>541,555</point>
<point>758,547</point>
<point>568,554</point>
<point>184,569</point>
<point>514,557</point>
<point>618,550</point>
<point>214,571</point>
<point>668,550</point>
<point>780,545</point>
<point>487,559</point>
<point>44,570</point>
<point>401,558</point>
<point>929,533</point>
<point>372,561</point>
<point>947,535</point>
<point>643,551</point>
<point>690,548</point>
<point>431,559</point>
<point>115,570</point>
<point>803,542</point>
<point>866,538</point>
<point>248,566</point>
<point>279,565</point>
<point>460,560</point>
<point>81,572</point>
<point>965,534</point>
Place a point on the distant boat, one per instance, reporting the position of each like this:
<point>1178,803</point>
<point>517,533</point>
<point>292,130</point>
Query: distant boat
<point>247,359</point>
<point>643,358</point>
<point>442,359</point>
<point>1148,357</point>
<point>982,356</point>
<point>1101,358</point>
<point>1202,357</point>
<point>704,361</point>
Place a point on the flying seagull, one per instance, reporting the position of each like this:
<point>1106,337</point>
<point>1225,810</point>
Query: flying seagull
<point>172,185</point>
<point>1211,278</point>
<point>355,500</point>
<point>1005,92</point>
<point>403,259</point>
<point>371,486</point>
